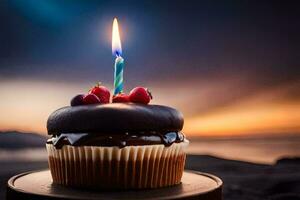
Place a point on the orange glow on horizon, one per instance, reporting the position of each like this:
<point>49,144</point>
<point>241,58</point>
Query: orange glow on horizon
<point>251,119</point>
<point>267,112</point>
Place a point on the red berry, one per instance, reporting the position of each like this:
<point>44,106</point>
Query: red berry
<point>101,92</point>
<point>140,95</point>
<point>120,98</point>
<point>77,100</point>
<point>91,99</point>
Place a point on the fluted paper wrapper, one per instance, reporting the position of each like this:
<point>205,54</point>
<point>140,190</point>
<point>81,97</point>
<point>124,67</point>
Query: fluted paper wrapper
<point>149,166</point>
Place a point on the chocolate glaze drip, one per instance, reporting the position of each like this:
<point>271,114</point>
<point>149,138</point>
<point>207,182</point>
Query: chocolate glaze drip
<point>121,140</point>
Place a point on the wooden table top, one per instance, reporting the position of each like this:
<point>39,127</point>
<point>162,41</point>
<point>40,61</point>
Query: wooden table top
<point>38,185</point>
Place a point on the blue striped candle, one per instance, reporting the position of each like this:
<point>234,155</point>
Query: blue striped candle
<point>118,76</point>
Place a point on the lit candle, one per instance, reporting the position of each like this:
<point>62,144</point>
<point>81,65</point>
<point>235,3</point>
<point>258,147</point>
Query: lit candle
<point>119,62</point>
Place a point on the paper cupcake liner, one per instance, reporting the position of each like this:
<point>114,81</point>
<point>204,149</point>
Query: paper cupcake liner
<point>149,166</point>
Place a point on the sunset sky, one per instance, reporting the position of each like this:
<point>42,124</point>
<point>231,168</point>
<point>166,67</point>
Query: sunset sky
<point>231,67</point>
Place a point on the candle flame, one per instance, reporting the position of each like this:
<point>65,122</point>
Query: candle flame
<point>116,41</point>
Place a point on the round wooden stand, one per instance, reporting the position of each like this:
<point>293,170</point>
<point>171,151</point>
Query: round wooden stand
<point>38,185</point>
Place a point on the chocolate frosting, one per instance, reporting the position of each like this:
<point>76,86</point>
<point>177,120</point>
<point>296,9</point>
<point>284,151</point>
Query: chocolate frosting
<point>114,118</point>
<point>120,140</point>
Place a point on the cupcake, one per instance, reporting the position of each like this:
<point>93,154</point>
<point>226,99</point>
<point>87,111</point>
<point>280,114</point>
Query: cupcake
<point>116,146</point>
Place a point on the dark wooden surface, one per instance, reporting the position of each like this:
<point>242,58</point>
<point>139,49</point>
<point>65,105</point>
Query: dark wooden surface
<point>38,185</point>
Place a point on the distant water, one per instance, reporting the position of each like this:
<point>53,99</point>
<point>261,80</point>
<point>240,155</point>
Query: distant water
<point>256,150</point>
<point>26,154</point>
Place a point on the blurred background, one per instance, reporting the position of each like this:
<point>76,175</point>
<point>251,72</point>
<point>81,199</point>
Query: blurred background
<point>231,67</point>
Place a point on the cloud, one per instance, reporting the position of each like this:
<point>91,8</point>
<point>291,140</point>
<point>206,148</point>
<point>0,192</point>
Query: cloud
<point>273,110</point>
